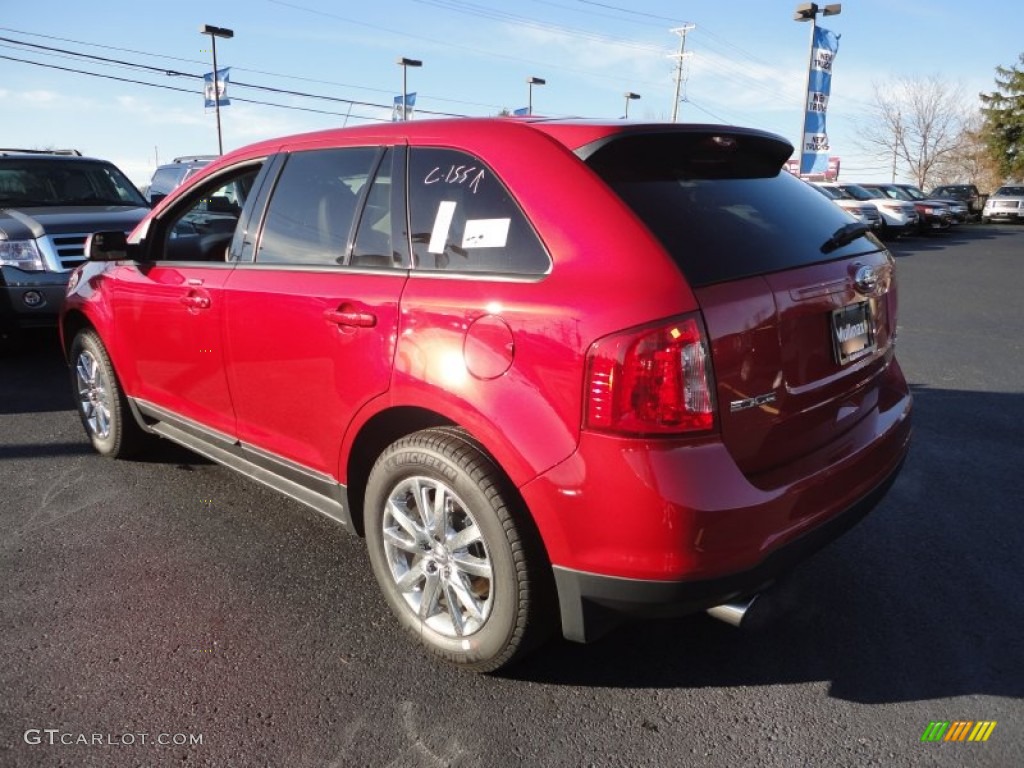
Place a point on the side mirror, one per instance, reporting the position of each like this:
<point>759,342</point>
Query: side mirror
<point>155,198</point>
<point>106,246</point>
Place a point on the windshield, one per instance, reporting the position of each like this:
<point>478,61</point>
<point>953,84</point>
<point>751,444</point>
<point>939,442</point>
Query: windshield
<point>892,192</point>
<point>1010,191</point>
<point>858,192</point>
<point>913,193</point>
<point>58,182</point>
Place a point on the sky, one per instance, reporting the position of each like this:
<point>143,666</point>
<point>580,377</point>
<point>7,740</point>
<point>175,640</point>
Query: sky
<point>746,65</point>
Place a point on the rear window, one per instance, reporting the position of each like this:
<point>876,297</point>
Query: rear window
<point>720,204</point>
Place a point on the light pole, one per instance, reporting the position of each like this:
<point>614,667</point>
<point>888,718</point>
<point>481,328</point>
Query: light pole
<point>214,33</point>
<point>629,97</point>
<point>530,82</point>
<point>809,12</point>
<point>405,63</point>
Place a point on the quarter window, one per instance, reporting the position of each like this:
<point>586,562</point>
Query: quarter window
<point>373,242</point>
<point>464,219</point>
<point>309,220</point>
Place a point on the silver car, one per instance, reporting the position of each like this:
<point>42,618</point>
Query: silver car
<point>1007,204</point>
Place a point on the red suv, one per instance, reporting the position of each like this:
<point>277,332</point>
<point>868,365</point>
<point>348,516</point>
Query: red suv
<point>555,372</point>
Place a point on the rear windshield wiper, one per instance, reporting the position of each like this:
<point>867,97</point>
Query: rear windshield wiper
<point>845,234</point>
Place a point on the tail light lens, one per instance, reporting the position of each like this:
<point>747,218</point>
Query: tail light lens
<point>651,381</point>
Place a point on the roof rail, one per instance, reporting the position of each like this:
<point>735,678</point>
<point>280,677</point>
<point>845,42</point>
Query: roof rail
<point>193,158</point>
<point>13,151</point>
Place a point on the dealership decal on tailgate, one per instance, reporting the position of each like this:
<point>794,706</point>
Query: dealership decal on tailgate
<point>853,334</point>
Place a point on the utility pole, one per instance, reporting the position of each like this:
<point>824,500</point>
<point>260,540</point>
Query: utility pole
<point>897,140</point>
<point>681,31</point>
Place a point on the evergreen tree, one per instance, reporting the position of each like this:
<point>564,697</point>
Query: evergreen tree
<point>1004,120</point>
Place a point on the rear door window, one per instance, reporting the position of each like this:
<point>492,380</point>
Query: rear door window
<point>465,220</point>
<point>720,204</point>
<point>312,210</point>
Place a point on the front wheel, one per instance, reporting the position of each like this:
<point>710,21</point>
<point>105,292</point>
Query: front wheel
<point>460,572</point>
<point>102,405</point>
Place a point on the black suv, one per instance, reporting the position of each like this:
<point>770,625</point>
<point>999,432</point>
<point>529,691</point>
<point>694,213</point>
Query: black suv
<point>49,203</point>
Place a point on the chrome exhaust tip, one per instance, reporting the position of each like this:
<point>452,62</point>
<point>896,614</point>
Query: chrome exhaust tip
<point>732,613</point>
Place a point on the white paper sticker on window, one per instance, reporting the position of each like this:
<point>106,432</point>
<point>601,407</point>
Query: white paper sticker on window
<point>486,233</point>
<point>442,223</point>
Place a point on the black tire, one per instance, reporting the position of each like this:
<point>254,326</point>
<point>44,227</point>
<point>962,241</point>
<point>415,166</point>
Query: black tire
<point>100,401</point>
<point>476,556</point>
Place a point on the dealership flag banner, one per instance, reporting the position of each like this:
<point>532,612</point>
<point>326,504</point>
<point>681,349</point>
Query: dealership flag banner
<point>403,112</point>
<point>222,88</point>
<point>814,153</point>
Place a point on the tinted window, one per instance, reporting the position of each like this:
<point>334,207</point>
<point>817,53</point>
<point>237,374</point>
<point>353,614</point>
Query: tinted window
<point>464,219</point>
<point>313,206</point>
<point>720,205</point>
<point>373,246</point>
<point>166,179</point>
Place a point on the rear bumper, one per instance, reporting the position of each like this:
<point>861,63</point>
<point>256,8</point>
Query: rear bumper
<point>591,604</point>
<point>1004,214</point>
<point>647,527</point>
<point>30,299</point>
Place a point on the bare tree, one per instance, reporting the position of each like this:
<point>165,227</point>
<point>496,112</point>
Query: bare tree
<point>915,123</point>
<point>971,162</point>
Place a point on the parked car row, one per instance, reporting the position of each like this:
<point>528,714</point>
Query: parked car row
<point>901,208</point>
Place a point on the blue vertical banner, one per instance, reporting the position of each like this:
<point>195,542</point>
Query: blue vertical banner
<point>815,148</point>
<point>403,111</point>
<point>219,92</point>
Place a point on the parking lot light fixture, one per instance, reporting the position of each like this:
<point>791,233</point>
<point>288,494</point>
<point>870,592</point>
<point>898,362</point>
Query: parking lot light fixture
<point>530,82</point>
<point>214,33</point>
<point>630,96</point>
<point>405,63</point>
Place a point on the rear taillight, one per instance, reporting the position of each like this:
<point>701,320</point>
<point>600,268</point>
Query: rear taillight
<point>651,380</point>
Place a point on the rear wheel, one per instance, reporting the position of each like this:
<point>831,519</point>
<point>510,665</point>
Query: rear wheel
<point>102,406</point>
<point>460,572</point>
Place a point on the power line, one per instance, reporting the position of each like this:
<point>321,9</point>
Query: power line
<point>471,9</point>
<point>628,10</point>
<point>238,69</point>
<point>103,60</point>
<point>456,46</point>
<point>188,90</point>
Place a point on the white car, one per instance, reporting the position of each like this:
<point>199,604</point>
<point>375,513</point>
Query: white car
<point>898,216</point>
<point>1006,204</point>
<point>865,212</point>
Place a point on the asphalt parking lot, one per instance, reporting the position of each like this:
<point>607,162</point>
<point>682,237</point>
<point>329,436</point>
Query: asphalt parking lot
<point>186,616</point>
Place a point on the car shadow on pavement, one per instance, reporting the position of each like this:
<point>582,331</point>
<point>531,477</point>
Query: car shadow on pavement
<point>920,601</point>
<point>937,241</point>
<point>35,377</point>
<point>36,380</point>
